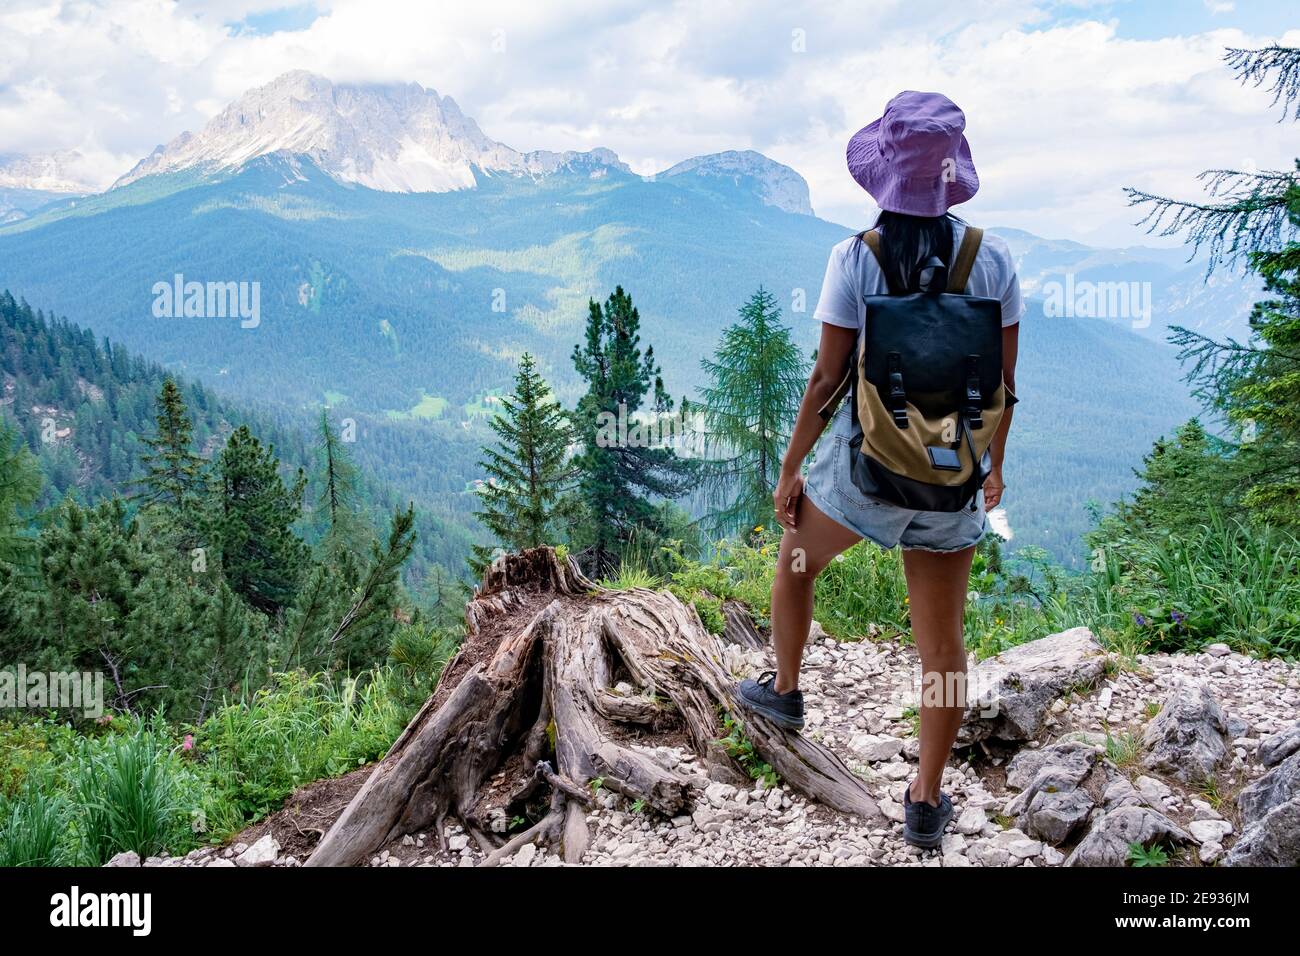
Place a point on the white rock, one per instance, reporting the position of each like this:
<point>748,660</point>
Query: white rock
<point>524,855</point>
<point>874,749</point>
<point>1209,831</point>
<point>261,853</point>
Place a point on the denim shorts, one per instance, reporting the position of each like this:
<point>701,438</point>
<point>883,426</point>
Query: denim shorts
<point>829,487</point>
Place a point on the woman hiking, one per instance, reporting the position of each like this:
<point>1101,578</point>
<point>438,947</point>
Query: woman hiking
<point>915,163</point>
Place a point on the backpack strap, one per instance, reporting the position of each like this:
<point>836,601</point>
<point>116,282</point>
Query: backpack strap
<point>872,240</point>
<point>965,259</point>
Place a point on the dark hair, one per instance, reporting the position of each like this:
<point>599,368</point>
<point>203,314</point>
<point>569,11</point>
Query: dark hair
<point>907,241</point>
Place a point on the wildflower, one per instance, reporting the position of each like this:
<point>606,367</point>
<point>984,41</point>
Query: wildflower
<point>1178,616</point>
<point>1139,620</point>
<point>758,529</point>
<point>973,596</point>
<point>188,743</point>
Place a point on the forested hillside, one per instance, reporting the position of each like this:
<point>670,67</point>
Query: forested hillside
<point>84,409</point>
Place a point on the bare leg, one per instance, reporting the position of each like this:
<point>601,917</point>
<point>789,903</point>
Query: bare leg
<point>936,588</point>
<point>805,550</point>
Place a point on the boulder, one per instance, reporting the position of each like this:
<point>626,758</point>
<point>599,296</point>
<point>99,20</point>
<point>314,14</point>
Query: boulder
<point>1054,816</point>
<point>1051,805</point>
<point>1009,696</point>
<point>1107,843</point>
<point>1278,786</point>
<point>875,749</point>
<point>1209,831</point>
<point>1067,761</point>
<point>1273,840</point>
<point>128,858</point>
<point>1277,747</point>
<point>261,853</point>
<point>1188,739</point>
<point>1121,793</point>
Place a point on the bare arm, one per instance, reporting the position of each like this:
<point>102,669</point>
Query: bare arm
<point>994,486</point>
<point>837,344</point>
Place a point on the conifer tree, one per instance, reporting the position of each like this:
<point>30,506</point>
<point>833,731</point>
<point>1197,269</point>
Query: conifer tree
<point>251,523</point>
<point>622,461</point>
<point>523,497</point>
<point>1251,218</point>
<point>757,380</point>
<point>336,476</point>
<point>173,474</point>
<point>20,484</point>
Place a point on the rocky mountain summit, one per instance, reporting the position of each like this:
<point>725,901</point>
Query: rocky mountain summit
<point>393,138</point>
<point>776,184</point>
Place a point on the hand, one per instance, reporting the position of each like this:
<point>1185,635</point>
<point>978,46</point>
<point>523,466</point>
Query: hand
<point>785,500</point>
<point>993,489</point>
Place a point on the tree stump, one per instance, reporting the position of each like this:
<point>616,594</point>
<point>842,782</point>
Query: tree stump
<point>528,714</point>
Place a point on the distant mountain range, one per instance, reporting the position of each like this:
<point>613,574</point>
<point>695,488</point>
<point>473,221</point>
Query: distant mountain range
<point>29,182</point>
<point>403,261</point>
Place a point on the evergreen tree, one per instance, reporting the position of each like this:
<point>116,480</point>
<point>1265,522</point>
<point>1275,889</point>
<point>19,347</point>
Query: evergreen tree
<point>1252,218</point>
<point>20,485</point>
<point>622,459</point>
<point>757,379</point>
<point>173,474</point>
<point>337,499</point>
<point>230,650</point>
<point>251,523</point>
<point>524,495</point>
<point>364,633</point>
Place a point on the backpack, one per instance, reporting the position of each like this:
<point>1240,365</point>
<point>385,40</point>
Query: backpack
<point>925,386</point>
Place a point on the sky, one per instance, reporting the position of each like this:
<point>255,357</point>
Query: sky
<point>1067,101</point>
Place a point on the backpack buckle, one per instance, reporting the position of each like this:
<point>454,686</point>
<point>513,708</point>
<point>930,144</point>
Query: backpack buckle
<point>973,411</point>
<point>897,395</point>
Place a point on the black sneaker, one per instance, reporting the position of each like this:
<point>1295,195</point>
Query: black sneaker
<point>761,697</point>
<point>923,825</point>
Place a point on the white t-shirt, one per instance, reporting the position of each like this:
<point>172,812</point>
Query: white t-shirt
<point>853,272</point>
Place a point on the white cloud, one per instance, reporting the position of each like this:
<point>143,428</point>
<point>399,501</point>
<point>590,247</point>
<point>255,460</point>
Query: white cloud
<point>1062,114</point>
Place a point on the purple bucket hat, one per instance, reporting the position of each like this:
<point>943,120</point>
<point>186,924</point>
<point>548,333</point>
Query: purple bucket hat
<point>914,159</point>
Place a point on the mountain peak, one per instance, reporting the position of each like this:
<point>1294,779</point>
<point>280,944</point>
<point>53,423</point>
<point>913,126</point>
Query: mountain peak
<point>66,171</point>
<point>777,184</point>
<point>397,137</point>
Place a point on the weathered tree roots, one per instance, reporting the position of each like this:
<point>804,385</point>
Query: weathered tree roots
<point>529,713</point>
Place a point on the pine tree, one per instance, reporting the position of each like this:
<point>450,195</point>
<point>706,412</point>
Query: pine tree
<point>364,633</point>
<point>621,460</point>
<point>336,475</point>
<point>173,474</point>
<point>20,485</point>
<point>251,523</point>
<point>523,497</point>
<point>758,378</point>
<point>1252,218</point>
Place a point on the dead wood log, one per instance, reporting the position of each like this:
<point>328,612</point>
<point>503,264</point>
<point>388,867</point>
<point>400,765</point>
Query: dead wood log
<point>546,664</point>
<point>740,629</point>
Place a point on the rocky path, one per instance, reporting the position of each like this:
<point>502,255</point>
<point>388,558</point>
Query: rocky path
<point>1198,754</point>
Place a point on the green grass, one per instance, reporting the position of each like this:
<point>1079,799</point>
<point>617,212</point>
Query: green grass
<point>428,408</point>
<point>1123,749</point>
<point>78,795</point>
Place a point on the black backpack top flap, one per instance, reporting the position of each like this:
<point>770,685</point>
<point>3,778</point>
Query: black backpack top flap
<point>933,335</point>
